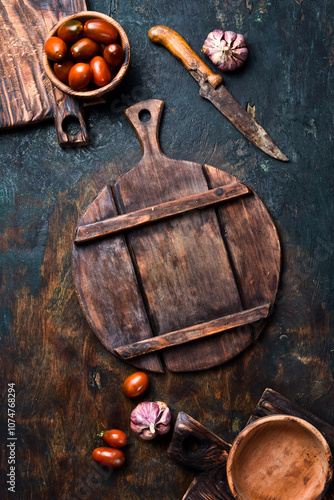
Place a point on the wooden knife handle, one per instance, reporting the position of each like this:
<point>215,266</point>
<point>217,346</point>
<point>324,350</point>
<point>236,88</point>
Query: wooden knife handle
<point>181,50</point>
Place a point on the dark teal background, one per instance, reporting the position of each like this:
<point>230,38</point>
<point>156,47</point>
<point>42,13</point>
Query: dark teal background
<point>288,77</point>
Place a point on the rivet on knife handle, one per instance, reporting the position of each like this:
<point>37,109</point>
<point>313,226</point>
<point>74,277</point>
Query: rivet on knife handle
<point>181,50</point>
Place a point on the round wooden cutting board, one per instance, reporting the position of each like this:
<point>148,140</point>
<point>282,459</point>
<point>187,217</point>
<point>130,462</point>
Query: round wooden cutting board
<point>172,255</point>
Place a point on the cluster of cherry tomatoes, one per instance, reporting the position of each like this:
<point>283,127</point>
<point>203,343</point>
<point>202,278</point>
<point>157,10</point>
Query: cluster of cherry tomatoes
<point>112,456</point>
<point>85,53</point>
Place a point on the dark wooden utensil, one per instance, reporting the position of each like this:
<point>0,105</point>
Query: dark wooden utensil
<point>174,251</point>
<point>26,94</point>
<point>195,446</point>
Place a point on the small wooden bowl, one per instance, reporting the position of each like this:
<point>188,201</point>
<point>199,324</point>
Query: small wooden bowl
<point>279,458</point>
<point>95,93</point>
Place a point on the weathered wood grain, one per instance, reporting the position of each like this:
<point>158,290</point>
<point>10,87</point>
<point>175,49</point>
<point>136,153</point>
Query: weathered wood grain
<point>273,403</point>
<point>209,485</point>
<point>280,457</point>
<point>253,244</point>
<point>195,446</point>
<point>26,94</point>
<point>201,331</point>
<point>181,284</point>
<point>103,300</point>
<point>68,384</point>
<point>159,212</point>
<point>68,108</point>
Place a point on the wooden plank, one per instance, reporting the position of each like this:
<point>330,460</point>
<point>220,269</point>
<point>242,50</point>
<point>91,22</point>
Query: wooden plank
<point>25,91</point>
<point>102,300</point>
<point>202,331</point>
<point>253,244</point>
<point>159,212</point>
<point>183,283</point>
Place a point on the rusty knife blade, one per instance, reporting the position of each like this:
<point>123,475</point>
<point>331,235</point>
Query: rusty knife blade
<point>211,88</point>
<point>241,119</point>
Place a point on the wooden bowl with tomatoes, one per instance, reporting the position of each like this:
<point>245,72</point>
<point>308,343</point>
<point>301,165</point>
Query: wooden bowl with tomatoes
<point>86,54</point>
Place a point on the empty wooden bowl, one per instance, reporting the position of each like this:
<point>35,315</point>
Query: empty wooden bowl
<point>95,93</point>
<point>279,458</point>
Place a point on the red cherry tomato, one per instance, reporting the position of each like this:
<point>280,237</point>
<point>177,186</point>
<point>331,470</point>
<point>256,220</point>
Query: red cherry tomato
<point>100,31</point>
<point>115,438</point>
<point>109,457</point>
<point>135,384</point>
<point>55,48</point>
<point>101,72</point>
<point>84,49</point>
<point>79,76</point>
<point>113,54</point>
<point>71,31</point>
<point>62,69</point>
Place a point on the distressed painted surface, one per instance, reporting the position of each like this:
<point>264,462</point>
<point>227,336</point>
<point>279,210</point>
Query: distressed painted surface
<point>67,384</point>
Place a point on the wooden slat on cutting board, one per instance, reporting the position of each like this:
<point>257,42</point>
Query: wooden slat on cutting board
<point>107,287</point>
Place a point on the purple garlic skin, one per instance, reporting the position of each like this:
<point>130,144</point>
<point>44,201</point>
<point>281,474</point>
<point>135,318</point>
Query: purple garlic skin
<point>226,49</point>
<point>149,419</point>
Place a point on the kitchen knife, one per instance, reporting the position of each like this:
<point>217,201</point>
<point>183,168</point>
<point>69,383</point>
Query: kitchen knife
<point>211,88</point>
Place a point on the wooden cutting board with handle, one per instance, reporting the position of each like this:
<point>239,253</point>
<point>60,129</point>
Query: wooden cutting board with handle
<point>175,259</point>
<point>26,94</point>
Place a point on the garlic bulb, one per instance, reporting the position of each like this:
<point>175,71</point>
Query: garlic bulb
<point>149,419</point>
<point>226,49</point>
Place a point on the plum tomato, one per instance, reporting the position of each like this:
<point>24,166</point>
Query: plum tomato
<point>55,48</point>
<point>109,457</point>
<point>114,437</point>
<point>79,76</point>
<point>84,49</point>
<point>101,72</point>
<point>135,384</point>
<point>100,31</point>
<point>71,31</point>
<point>113,54</point>
<point>62,69</point>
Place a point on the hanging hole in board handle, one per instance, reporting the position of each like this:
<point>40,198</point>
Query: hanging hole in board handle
<point>144,115</point>
<point>69,120</point>
<point>71,125</point>
<point>191,444</point>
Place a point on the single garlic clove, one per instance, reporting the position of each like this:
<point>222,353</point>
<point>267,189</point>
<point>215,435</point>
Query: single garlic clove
<point>227,50</point>
<point>163,429</point>
<point>229,37</point>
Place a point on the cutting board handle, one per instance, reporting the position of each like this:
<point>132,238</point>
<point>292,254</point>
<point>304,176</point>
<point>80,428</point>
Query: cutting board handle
<point>145,118</point>
<point>69,108</point>
<point>195,446</point>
